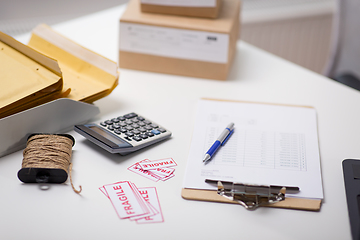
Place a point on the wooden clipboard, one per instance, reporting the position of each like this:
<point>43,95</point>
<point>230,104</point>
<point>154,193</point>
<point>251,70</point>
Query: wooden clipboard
<point>288,203</point>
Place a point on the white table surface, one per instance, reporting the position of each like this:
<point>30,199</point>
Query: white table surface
<point>26,212</point>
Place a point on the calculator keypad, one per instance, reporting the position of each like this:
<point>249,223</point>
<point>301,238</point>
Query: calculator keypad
<point>133,127</point>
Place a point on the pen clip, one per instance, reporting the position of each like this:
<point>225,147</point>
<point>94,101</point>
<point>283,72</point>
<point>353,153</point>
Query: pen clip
<point>228,136</point>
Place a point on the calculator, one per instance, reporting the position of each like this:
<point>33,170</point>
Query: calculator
<point>124,134</point>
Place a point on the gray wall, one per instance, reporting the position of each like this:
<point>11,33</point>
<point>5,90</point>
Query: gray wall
<point>19,16</point>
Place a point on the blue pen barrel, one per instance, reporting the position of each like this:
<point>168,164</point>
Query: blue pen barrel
<point>220,141</point>
<point>214,147</point>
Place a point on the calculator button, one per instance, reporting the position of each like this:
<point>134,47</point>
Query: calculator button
<point>141,124</point>
<point>130,115</point>
<point>137,138</point>
<point>123,130</point>
<point>136,132</point>
<point>132,127</point>
<point>162,130</point>
<point>150,134</point>
<point>122,124</point>
<point>129,128</point>
<point>148,127</point>
<point>128,121</point>
<point>142,129</point>
<point>143,136</point>
<point>129,134</point>
<point>155,131</point>
<point>115,120</point>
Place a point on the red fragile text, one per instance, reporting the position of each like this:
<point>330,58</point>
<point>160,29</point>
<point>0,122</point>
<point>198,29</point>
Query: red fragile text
<point>122,197</point>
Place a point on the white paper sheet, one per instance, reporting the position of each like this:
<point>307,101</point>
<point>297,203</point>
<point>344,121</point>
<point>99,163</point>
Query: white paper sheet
<point>271,145</point>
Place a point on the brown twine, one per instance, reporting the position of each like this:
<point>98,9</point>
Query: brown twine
<point>49,151</point>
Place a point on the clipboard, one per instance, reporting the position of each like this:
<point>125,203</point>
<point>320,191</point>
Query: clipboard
<point>287,203</point>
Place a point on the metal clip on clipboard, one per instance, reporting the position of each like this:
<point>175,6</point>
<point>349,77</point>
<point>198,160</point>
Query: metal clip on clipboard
<point>251,196</point>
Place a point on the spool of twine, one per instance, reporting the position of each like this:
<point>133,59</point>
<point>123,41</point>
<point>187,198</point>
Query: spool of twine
<point>50,152</point>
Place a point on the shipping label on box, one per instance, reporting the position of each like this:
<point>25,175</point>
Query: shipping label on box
<point>174,43</point>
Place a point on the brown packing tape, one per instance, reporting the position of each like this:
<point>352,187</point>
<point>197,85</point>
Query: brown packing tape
<point>229,12</point>
<point>206,12</point>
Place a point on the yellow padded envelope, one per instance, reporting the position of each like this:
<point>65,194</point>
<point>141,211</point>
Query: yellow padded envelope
<point>88,75</point>
<point>50,67</point>
<point>27,78</point>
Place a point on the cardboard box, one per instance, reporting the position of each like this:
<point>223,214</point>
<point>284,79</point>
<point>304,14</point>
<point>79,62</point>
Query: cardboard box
<point>195,47</point>
<point>191,8</point>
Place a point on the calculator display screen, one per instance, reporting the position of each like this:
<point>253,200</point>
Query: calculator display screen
<point>107,135</point>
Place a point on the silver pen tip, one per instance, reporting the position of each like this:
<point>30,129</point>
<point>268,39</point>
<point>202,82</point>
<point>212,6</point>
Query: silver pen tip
<point>206,158</point>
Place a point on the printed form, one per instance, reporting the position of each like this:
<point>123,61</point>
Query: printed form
<point>271,145</point>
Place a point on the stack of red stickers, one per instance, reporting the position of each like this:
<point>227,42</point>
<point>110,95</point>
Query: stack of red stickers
<point>155,169</point>
<point>137,204</point>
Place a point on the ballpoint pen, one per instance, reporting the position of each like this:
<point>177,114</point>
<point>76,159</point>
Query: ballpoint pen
<point>220,141</point>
